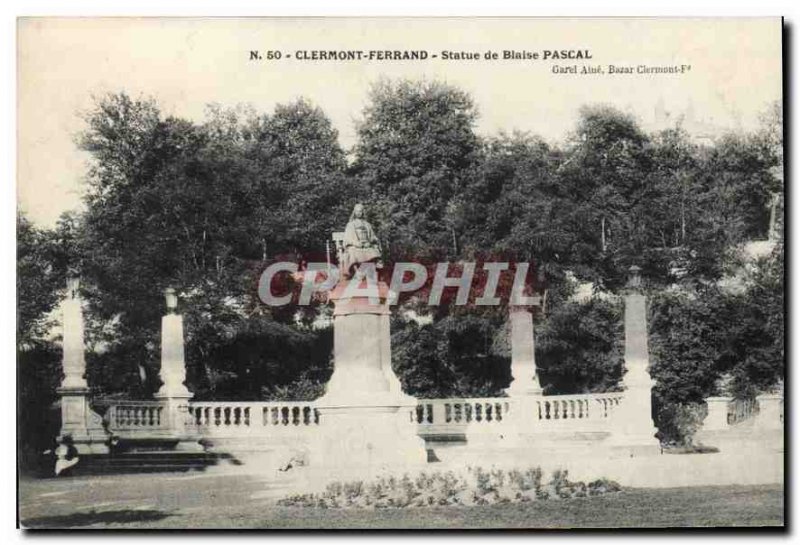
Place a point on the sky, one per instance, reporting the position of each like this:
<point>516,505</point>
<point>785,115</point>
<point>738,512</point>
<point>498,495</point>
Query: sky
<point>186,64</point>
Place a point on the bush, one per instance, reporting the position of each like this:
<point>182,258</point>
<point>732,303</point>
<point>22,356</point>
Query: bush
<point>677,423</point>
<point>472,486</point>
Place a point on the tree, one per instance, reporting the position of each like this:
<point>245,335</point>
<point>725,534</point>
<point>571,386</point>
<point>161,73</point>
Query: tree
<point>202,208</point>
<point>38,281</point>
<point>40,278</point>
<point>602,175</point>
<point>755,355</point>
<point>688,335</point>
<point>579,348</point>
<point>514,209</point>
<point>739,182</point>
<point>683,241</point>
<point>456,356</point>
<point>416,148</point>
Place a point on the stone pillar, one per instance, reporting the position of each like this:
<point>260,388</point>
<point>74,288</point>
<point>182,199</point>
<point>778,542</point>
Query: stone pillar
<point>518,425</point>
<point>173,392</point>
<point>173,364</point>
<point>717,417</point>
<point>439,414</point>
<point>80,425</point>
<point>633,428</point>
<point>365,418</point>
<point>770,412</point>
<point>524,381</point>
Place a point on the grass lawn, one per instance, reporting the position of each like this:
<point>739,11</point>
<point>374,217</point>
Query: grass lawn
<point>239,502</point>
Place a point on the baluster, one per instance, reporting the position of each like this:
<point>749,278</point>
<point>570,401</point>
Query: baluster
<point>285,416</point>
<point>468,412</point>
<point>448,413</point>
<point>429,408</point>
<point>316,416</point>
<point>489,412</point>
<point>459,412</point>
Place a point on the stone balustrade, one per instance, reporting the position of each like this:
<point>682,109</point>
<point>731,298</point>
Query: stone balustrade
<point>568,412</point>
<point>569,409</point>
<point>132,419</point>
<point>740,410</point>
<point>460,411</point>
<point>432,416</point>
<point>221,418</point>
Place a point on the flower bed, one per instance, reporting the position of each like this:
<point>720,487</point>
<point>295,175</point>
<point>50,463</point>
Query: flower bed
<point>472,486</point>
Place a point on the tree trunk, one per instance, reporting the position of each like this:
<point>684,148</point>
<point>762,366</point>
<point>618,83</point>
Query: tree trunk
<point>603,232</point>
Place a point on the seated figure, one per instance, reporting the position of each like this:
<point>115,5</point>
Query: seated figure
<point>359,245</point>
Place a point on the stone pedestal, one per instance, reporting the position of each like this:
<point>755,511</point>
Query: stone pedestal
<point>770,412</point>
<point>80,425</point>
<point>717,417</point>
<point>524,381</point>
<point>366,424</point>
<point>633,428</point>
<point>517,424</point>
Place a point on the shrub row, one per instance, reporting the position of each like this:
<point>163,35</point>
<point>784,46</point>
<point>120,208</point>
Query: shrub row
<point>472,486</point>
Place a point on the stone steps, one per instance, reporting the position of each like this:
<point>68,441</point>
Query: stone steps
<point>145,462</point>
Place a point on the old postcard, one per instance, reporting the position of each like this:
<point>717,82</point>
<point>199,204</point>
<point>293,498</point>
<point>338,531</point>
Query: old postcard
<point>396,273</point>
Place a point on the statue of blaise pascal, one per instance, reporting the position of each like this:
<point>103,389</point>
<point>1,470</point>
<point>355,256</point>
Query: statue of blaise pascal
<point>358,244</point>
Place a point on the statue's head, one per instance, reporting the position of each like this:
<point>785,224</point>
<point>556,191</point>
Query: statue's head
<point>358,211</point>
